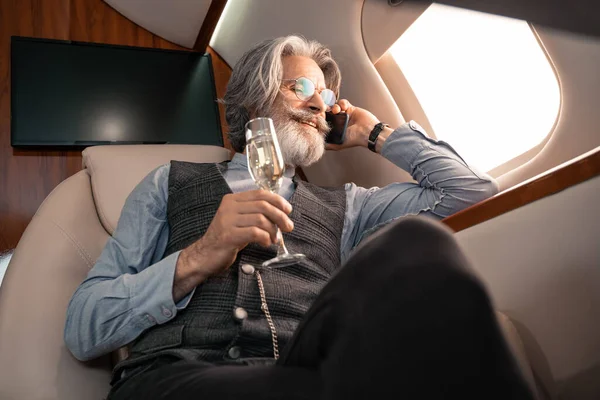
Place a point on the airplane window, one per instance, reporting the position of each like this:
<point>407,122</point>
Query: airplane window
<point>483,81</point>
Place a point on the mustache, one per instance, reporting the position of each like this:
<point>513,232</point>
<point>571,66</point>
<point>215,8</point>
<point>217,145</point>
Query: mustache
<point>307,116</point>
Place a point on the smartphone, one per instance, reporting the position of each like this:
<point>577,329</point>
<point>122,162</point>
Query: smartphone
<point>338,124</point>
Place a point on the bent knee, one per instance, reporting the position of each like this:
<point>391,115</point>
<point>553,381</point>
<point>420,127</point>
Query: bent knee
<point>410,243</point>
<point>420,226</point>
<point>420,234</point>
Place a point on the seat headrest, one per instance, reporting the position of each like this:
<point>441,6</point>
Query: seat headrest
<point>115,170</point>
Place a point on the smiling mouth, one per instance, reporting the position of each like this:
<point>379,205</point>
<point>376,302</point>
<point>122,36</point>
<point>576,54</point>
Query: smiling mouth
<point>309,123</point>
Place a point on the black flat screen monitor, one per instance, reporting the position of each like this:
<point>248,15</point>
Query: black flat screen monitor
<point>66,93</point>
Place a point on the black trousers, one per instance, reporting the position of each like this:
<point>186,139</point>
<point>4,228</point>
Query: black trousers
<point>404,318</point>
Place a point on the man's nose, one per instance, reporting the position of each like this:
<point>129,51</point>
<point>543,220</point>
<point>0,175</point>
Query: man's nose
<point>317,105</point>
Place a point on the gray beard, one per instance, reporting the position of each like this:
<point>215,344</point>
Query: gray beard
<point>300,145</point>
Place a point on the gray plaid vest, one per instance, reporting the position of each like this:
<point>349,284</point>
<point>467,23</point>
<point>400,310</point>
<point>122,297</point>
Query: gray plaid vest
<point>206,330</point>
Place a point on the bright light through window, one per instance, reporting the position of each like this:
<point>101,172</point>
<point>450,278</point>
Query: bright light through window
<point>483,81</point>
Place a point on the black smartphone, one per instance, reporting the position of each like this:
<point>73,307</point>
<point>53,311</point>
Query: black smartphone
<point>338,124</point>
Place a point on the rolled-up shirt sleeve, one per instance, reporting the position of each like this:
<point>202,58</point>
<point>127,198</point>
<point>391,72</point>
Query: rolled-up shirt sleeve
<point>444,184</point>
<point>129,289</point>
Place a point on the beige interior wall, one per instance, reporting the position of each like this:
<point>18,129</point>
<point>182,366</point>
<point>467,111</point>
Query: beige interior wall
<point>540,263</point>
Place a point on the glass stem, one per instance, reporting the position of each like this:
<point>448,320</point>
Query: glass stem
<point>281,250</point>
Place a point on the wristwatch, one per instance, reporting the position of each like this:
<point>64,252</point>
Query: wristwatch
<point>374,135</point>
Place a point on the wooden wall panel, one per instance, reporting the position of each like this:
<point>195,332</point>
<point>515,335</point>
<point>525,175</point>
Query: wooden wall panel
<point>553,181</point>
<point>222,72</point>
<point>27,177</point>
<point>96,21</point>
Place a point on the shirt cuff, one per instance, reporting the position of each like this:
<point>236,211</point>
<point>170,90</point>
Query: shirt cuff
<point>153,292</point>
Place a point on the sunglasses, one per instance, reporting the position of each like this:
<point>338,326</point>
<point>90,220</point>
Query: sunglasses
<point>305,89</point>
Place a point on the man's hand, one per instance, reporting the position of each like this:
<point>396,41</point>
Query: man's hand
<point>242,218</point>
<point>360,124</point>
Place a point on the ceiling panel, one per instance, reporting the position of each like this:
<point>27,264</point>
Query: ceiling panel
<point>177,21</point>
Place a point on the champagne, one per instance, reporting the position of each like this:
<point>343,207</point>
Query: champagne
<point>265,166</point>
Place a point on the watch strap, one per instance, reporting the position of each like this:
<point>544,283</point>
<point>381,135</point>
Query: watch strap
<point>374,135</point>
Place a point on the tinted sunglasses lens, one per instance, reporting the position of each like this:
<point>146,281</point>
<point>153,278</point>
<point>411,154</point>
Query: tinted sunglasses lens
<point>305,89</point>
<point>328,97</point>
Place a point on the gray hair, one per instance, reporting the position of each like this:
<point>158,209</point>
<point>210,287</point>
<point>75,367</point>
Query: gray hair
<point>255,80</point>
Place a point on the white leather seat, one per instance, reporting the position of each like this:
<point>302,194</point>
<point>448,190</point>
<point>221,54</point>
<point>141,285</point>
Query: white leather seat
<point>57,250</point>
<point>54,256</point>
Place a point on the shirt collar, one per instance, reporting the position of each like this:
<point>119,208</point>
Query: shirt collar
<point>240,162</point>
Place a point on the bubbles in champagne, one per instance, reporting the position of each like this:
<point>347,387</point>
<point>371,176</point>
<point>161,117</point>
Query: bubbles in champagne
<point>264,164</point>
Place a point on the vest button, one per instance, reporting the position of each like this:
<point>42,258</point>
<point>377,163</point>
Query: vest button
<point>247,269</point>
<point>240,314</point>
<point>234,352</point>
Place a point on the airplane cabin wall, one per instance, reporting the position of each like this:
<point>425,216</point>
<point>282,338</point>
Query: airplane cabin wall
<point>540,264</point>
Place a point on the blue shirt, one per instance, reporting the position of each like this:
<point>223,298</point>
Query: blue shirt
<point>129,289</point>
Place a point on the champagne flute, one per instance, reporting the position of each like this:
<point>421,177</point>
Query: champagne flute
<point>266,167</point>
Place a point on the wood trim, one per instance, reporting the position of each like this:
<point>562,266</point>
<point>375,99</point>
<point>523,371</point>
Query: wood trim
<point>210,23</point>
<point>300,174</point>
<point>551,182</point>
<point>222,72</point>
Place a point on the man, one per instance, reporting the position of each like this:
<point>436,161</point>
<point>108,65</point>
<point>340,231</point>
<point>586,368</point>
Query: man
<point>181,282</point>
